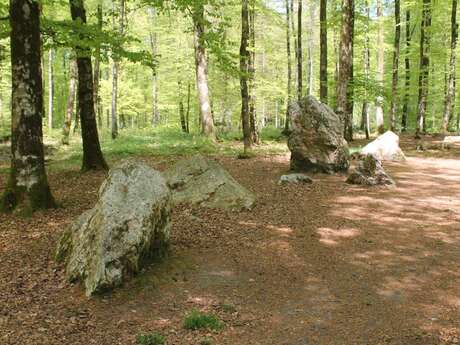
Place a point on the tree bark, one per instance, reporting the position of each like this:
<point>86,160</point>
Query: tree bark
<point>379,117</point>
<point>365,123</point>
<point>201,64</point>
<point>394,83</point>
<point>289,65</point>
<point>345,66</point>
<point>70,103</point>
<point>405,114</point>
<point>153,46</point>
<point>182,115</point>
<point>97,70</point>
<point>424,67</point>
<point>299,50</point>
<point>449,102</point>
<point>245,56</point>
<point>310,32</point>
<point>50,87</point>
<point>252,75</point>
<point>323,51</point>
<point>92,153</point>
<point>27,188</point>
<point>187,114</point>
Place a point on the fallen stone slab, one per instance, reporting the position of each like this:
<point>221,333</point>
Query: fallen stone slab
<point>294,178</point>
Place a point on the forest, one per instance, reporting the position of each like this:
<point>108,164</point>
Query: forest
<point>229,172</point>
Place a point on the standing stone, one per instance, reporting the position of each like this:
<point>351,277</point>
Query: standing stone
<point>129,224</point>
<point>385,148</point>
<point>316,141</point>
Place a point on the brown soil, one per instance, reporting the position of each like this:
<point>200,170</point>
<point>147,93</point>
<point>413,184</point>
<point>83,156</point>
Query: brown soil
<point>326,263</point>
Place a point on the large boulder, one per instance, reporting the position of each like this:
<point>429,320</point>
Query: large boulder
<point>369,172</point>
<point>202,181</point>
<point>316,140</point>
<point>129,225</point>
<point>385,148</point>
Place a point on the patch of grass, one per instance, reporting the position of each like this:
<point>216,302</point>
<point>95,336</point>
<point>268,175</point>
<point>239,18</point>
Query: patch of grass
<point>206,341</point>
<point>198,320</point>
<point>150,339</point>
<point>228,308</point>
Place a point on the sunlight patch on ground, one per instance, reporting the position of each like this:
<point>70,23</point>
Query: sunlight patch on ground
<point>332,237</point>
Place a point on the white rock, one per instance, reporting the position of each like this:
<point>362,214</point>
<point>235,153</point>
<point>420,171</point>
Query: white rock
<point>385,148</point>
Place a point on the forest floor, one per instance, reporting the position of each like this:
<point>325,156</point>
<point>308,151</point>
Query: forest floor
<point>326,263</point>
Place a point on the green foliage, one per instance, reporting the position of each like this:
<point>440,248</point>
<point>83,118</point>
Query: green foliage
<point>198,320</point>
<point>150,339</point>
<point>206,341</point>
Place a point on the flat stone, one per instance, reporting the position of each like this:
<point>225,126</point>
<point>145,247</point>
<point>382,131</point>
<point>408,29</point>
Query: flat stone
<point>294,178</point>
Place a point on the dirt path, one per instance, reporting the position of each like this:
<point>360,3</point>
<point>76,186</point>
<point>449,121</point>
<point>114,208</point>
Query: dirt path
<point>325,263</point>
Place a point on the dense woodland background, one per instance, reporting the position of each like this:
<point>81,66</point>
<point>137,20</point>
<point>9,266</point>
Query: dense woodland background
<point>151,97</point>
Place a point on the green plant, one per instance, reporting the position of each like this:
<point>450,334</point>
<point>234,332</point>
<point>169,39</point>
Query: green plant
<point>198,320</point>
<point>228,308</point>
<point>150,339</point>
<point>206,341</point>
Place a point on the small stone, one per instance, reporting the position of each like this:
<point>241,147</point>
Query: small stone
<point>294,178</point>
<point>369,172</point>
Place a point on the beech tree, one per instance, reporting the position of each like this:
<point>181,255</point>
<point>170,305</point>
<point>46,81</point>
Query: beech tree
<point>245,57</point>
<point>323,51</point>
<point>405,111</point>
<point>92,153</point>
<point>394,85</point>
<point>27,188</point>
<point>289,64</point>
<point>379,116</point>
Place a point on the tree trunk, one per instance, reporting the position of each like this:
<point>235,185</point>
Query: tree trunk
<point>92,154</point>
<point>252,75</point>
<point>323,51</point>
<point>299,50</point>
<point>289,65</point>
<point>153,46</point>
<point>187,114</point>
<point>70,103</point>
<point>50,88</point>
<point>379,118</point>
<point>449,102</point>
<point>116,72</point>
<point>245,56</point>
<point>394,83</point>
<point>27,188</point>
<point>424,67</point>
<point>365,123</point>
<point>97,70</point>
<point>345,66</point>
<point>405,114</point>
<point>183,123</point>
<point>201,64</point>
<point>310,32</point>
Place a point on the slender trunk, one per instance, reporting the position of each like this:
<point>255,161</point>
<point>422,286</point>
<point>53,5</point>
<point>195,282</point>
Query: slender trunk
<point>183,123</point>
<point>252,75</point>
<point>405,114</point>
<point>394,83</point>
<point>97,70</point>
<point>299,49</point>
<point>201,65</point>
<point>27,188</point>
<point>92,153</point>
<point>323,52</point>
<point>187,114</point>
<point>116,72</point>
<point>424,67</point>
<point>70,103</point>
<point>50,88</point>
<point>244,76</point>
<point>153,46</point>
<point>345,68</point>
<point>289,65</point>
<point>379,117</point>
<point>449,102</point>
<point>365,123</point>
<point>310,63</point>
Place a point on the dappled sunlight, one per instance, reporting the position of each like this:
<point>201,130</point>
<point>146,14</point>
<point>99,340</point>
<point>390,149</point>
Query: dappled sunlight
<point>331,237</point>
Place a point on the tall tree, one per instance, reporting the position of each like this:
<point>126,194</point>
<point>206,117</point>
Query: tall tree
<point>252,74</point>
<point>289,64</point>
<point>201,66</point>
<point>323,51</point>
<point>92,153</point>
<point>70,102</point>
<point>424,69</point>
<point>299,50</point>
<point>394,83</point>
<point>153,46</point>
<point>50,87</point>
<point>245,56</point>
<point>97,69</point>
<point>310,42</point>
<point>116,69</point>
<point>365,123</point>
<point>345,66</point>
<point>27,188</point>
<point>379,119</point>
<point>405,112</point>
<point>449,102</point>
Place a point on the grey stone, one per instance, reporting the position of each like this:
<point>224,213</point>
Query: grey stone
<point>316,140</point>
<point>202,181</point>
<point>369,172</point>
<point>294,178</point>
<point>385,148</point>
<point>129,224</point>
